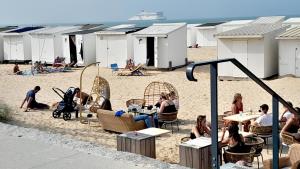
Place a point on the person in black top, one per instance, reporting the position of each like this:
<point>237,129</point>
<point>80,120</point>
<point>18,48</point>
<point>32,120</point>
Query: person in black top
<point>200,128</point>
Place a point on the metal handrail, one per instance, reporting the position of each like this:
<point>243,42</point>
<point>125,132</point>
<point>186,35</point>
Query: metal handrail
<point>214,104</point>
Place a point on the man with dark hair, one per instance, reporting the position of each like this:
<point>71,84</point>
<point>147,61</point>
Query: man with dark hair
<point>265,119</point>
<point>31,102</point>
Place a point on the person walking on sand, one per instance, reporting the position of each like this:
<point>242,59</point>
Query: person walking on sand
<point>31,102</point>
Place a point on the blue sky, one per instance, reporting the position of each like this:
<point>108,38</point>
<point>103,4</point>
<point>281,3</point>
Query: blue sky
<point>84,11</point>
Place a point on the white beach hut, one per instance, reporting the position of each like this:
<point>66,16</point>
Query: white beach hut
<point>3,30</point>
<point>81,46</point>
<point>276,21</point>
<point>17,44</point>
<point>292,22</point>
<point>254,46</point>
<point>205,34</point>
<point>115,45</point>
<point>47,44</point>
<point>227,26</point>
<point>289,52</point>
<point>161,45</point>
<point>191,36</point>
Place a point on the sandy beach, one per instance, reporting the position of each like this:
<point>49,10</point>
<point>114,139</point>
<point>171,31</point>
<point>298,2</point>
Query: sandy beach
<point>194,98</point>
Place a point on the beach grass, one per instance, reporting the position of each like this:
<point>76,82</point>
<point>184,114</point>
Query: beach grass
<point>5,112</point>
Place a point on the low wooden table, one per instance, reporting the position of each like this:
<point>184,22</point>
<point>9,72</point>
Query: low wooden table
<point>137,143</point>
<point>196,153</point>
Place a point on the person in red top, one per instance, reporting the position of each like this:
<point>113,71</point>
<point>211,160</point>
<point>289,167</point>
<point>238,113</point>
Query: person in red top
<point>237,104</point>
<point>237,107</point>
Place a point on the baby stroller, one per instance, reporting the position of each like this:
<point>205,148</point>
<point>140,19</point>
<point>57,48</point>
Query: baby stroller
<point>67,105</point>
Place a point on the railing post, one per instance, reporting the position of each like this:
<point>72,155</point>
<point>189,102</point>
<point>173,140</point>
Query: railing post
<point>214,114</point>
<point>275,133</point>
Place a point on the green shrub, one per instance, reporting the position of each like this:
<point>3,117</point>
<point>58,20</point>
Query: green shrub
<point>5,112</point>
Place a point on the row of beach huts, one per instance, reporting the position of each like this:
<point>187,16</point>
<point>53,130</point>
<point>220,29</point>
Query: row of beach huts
<point>267,46</point>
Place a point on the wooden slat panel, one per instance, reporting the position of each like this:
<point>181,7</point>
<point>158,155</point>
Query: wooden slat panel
<point>182,156</point>
<point>196,159</point>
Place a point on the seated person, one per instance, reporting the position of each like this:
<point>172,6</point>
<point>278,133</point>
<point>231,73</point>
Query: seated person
<point>172,97</point>
<point>16,70</point>
<point>31,102</point>
<point>235,141</point>
<point>200,128</point>
<point>292,125</point>
<point>265,119</point>
<point>167,106</point>
<point>286,115</point>
<point>84,97</point>
<point>58,62</point>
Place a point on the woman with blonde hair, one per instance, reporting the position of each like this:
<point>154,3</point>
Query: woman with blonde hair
<point>237,104</point>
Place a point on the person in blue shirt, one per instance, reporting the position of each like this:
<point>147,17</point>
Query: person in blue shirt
<point>31,102</point>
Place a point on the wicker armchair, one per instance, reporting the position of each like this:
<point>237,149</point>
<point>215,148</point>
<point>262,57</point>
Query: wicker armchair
<point>168,118</point>
<point>235,157</point>
<point>265,132</point>
<point>290,161</point>
<point>287,140</point>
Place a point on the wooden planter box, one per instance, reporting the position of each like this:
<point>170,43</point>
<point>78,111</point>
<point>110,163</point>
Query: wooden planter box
<point>137,143</point>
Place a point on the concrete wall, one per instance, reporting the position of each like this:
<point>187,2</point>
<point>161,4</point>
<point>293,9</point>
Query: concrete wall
<point>177,51</point>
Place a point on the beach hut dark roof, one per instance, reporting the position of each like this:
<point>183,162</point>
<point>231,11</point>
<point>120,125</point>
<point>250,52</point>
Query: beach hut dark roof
<point>85,31</point>
<point>89,26</point>
<point>7,28</point>
<point>210,24</point>
<point>25,29</point>
<point>128,30</point>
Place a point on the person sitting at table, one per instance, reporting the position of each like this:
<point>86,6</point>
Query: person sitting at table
<point>166,106</point>
<point>237,107</point>
<point>265,119</point>
<point>235,141</point>
<point>172,97</point>
<point>292,125</point>
<point>286,115</point>
<point>200,128</point>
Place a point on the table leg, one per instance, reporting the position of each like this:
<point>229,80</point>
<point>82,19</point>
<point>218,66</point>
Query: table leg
<point>241,126</point>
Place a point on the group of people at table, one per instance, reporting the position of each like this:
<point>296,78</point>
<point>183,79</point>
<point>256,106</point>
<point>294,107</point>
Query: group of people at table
<point>289,122</point>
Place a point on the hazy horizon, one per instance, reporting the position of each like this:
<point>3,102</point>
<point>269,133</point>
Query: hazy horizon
<point>34,12</point>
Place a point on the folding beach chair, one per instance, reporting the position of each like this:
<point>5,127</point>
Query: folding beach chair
<point>114,67</point>
<point>137,71</point>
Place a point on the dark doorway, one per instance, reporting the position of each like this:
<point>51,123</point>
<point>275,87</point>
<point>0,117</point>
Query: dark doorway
<point>150,51</point>
<point>73,53</point>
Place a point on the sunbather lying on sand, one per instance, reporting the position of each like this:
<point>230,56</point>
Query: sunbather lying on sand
<point>31,102</point>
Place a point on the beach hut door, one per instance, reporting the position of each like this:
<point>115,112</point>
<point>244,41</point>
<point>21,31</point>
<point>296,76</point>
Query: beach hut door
<point>239,50</point>
<point>73,53</point>
<point>150,51</point>
<point>297,61</point>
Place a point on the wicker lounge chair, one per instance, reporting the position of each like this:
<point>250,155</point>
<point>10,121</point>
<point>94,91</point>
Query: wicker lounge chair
<point>235,157</point>
<point>137,71</point>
